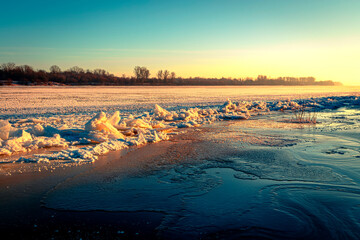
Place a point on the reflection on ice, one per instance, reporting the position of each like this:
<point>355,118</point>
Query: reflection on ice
<point>262,178</point>
<point>264,191</point>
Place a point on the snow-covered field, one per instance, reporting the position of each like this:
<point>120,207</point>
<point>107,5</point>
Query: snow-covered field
<point>22,101</point>
<point>86,122</point>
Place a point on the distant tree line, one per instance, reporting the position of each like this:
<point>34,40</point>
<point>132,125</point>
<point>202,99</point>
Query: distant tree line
<point>10,74</point>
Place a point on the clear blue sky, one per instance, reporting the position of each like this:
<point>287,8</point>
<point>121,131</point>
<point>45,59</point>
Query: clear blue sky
<point>198,38</point>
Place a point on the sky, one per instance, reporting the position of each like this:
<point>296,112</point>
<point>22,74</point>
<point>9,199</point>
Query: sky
<point>207,38</point>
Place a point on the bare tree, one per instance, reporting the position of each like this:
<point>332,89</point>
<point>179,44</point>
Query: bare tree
<point>141,73</point>
<point>166,74</point>
<point>99,71</point>
<point>160,74</point>
<point>172,75</point>
<point>55,69</point>
<point>76,69</point>
<point>26,69</point>
<point>145,72</point>
<point>137,72</point>
<point>8,66</point>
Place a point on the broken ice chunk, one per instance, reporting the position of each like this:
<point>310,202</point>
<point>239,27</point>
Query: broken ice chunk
<point>5,127</point>
<point>138,123</point>
<point>101,123</point>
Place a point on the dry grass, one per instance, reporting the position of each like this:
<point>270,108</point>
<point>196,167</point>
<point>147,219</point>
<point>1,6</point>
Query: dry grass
<point>302,115</point>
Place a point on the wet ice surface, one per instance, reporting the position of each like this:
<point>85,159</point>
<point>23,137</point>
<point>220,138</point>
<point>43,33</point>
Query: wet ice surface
<point>237,180</point>
<point>265,177</point>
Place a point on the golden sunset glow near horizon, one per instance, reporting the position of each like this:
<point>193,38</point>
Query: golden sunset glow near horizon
<point>235,39</point>
<point>298,59</point>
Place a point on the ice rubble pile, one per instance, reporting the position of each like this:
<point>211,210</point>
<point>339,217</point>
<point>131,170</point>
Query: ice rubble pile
<point>102,134</point>
<point>322,103</point>
<point>19,140</point>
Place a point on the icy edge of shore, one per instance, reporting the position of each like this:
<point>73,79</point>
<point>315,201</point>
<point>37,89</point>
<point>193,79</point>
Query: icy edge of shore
<point>104,133</point>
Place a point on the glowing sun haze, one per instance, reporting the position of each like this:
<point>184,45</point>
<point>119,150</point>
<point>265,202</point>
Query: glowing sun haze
<point>207,38</point>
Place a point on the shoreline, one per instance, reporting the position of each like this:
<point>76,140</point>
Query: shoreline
<point>41,222</point>
<point>85,137</point>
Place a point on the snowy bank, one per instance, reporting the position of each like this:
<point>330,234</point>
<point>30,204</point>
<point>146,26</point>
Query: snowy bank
<point>84,138</point>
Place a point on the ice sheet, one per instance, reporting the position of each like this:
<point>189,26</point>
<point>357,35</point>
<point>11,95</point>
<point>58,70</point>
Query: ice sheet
<point>23,133</point>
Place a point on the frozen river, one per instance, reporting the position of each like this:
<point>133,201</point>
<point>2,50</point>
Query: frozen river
<point>261,178</point>
<point>236,180</point>
<point>34,100</point>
